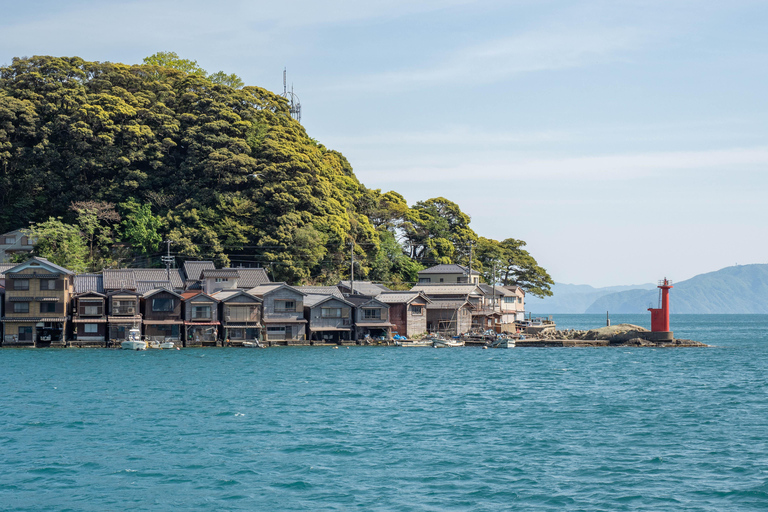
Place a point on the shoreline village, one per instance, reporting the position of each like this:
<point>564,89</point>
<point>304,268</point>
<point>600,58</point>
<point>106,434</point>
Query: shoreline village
<point>199,305</point>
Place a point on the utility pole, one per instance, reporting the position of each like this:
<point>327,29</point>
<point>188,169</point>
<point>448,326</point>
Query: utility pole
<point>167,259</point>
<point>352,270</point>
<point>471,243</point>
<point>493,278</point>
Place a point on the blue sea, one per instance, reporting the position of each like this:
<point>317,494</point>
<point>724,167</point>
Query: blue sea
<point>387,428</point>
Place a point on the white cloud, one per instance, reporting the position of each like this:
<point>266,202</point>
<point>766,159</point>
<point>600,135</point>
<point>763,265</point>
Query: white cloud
<point>448,137</point>
<point>549,48</point>
<point>500,166</point>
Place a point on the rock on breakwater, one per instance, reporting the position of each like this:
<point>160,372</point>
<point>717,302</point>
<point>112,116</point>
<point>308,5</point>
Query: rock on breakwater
<point>620,335</point>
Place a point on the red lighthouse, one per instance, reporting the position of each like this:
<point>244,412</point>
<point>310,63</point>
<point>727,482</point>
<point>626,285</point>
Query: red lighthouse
<point>660,316</point>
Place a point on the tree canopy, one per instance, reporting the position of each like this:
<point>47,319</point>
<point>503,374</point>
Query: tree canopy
<point>126,156</point>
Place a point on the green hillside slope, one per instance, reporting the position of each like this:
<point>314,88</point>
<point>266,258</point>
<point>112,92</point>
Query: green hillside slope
<point>107,160</point>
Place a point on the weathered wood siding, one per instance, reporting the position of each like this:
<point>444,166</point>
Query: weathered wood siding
<point>189,307</point>
<point>174,314</point>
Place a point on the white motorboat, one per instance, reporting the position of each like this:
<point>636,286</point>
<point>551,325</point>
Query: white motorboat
<point>503,343</point>
<point>253,344</point>
<point>161,344</point>
<point>415,343</point>
<point>134,341</point>
<point>443,343</point>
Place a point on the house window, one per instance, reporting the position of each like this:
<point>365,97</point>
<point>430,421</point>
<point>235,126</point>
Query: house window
<point>236,334</point>
<point>417,310</point>
<point>47,284</point>
<point>201,312</point>
<point>90,310</point>
<point>239,314</point>
<point>277,333</point>
<point>330,312</point>
<point>510,300</point>
<point>47,307</point>
<point>21,307</point>
<point>123,307</point>
<point>222,279</point>
<point>25,333</point>
<point>91,328</point>
<point>10,240</point>
<point>162,304</point>
<point>21,284</point>
<point>170,331</point>
<point>285,306</point>
<point>372,313</point>
<point>425,280</point>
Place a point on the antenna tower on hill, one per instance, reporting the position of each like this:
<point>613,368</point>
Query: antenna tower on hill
<point>292,98</point>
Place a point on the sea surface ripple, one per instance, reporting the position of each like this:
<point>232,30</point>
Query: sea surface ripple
<point>383,428</point>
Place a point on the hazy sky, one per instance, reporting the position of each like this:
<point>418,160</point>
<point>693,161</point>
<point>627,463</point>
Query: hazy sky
<point>624,140</point>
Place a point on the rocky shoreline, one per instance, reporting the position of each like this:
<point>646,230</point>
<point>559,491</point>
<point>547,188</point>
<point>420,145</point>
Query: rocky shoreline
<point>621,335</point>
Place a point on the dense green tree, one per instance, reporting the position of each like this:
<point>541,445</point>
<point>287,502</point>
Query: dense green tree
<point>96,220</point>
<point>140,227</point>
<point>61,243</point>
<point>230,80</point>
<point>219,168</point>
<point>513,265</point>
<point>172,60</point>
<point>437,231</point>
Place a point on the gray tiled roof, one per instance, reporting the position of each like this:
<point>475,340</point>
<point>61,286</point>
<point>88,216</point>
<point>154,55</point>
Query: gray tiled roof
<point>122,279</point>
<point>57,267</point>
<point>147,286</point>
<point>321,290</point>
<point>225,295</point>
<point>448,269</point>
<point>499,290</point>
<point>222,272</point>
<point>313,299</point>
<point>401,297</point>
<point>263,289</point>
<point>250,277</point>
<point>4,267</point>
<point>153,291</point>
<point>193,269</point>
<point>359,300</point>
<point>158,275</point>
<point>447,304</point>
<point>89,283</point>
<point>45,262</point>
<point>366,287</point>
<point>445,289</point>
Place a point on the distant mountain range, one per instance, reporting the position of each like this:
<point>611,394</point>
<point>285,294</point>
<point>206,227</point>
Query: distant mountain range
<point>740,289</point>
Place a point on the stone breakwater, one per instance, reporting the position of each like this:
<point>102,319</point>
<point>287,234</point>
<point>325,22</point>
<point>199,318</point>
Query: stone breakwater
<point>621,335</point>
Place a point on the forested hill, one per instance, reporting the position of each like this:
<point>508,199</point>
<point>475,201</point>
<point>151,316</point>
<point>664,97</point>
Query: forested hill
<point>574,298</point>
<point>733,290</point>
<point>103,161</point>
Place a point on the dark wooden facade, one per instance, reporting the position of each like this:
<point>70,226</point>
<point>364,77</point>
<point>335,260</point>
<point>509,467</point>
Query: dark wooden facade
<point>162,315</point>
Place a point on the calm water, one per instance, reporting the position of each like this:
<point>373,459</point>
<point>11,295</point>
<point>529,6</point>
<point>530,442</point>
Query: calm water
<point>373,428</point>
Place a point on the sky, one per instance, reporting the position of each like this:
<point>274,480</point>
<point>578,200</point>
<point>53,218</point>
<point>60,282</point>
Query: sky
<point>623,140</point>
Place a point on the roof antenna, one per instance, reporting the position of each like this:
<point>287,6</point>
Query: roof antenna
<point>295,104</point>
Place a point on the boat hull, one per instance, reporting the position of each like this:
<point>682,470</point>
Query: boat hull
<point>133,345</point>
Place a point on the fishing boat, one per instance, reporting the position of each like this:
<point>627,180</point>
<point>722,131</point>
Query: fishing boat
<point>444,343</point>
<point>426,342</point>
<point>160,344</point>
<point>503,342</point>
<point>253,344</point>
<point>133,341</point>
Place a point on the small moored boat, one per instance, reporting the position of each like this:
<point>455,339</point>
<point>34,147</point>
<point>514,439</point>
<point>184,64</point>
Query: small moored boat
<point>161,344</point>
<point>443,343</point>
<point>134,341</point>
